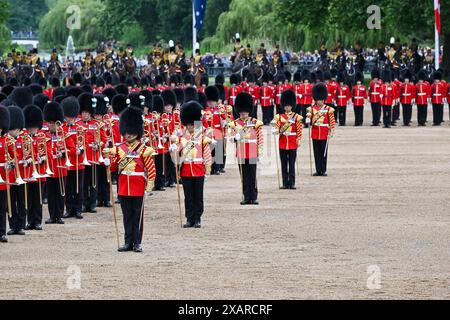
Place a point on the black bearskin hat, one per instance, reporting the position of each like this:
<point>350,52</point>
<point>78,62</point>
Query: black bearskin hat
<point>251,78</point>
<point>375,74</point>
<point>220,79</point>
<point>74,91</point>
<point>59,99</point>
<point>319,76</point>
<point>77,78</point>
<point>422,75</point>
<point>119,103</point>
<point>235,79</point>
<point>6,90</point>
<point>132,122</point>
<point>320,92</point>
<point>71,107</point>
<point>288,98</point>
<point>59,92</point>
<point>173,79</point>
<point>110,93</point>
<point>40,100</point>
<point>204,80</point>
<point>179,93</point>
<point>157,104</point>
<point>122,89</point>
<point>212,93</point>
<point>102,104</point>
<point>190,113</point>
<point>190,94</point>
<point>386,76</point>
<point>437,76</point>
<point>86,102</point>
<point>53,112</point>
<point>326,75</point>
<point>341,78</point>
<point>4,119</point>
<point>333,73</point>
<point>159,79</point>
<point>2,97</point>
<point>35,88</point>
<point>222,95</point>
<point>136,101</point>
<point>297,76</point>
<point>34,117</point>
<point>265,78</point>
<point>100,83</point>
<point>169,98</point>
<point>189,79</point>
<point>287,76</point>
<point>359,77</point>
<point>244,102</point>
<point>202,100</point>
<point>16,118</point>
<point>55,82</point>
<point>407,75</point>
<point>21,96</point>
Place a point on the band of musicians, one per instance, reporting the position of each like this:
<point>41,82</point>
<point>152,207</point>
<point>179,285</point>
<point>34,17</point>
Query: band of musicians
<point>104,142</point>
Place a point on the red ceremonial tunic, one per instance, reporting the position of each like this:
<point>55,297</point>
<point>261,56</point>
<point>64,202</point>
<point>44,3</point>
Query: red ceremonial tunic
<point>374,91</point>
<point>322,121</point>
<point>359,93</point>
<point>251,142</point>
<point>291,125</point>
<point>423,93</point>
<point>407,93</point>
<point>343,95</point>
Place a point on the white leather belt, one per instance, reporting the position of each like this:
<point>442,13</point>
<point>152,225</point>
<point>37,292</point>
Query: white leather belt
<point>290,134</point>
<point>248,141</point>
<point>322,125</point>
<point>421,94</point>
<point>194,160</point>
<point>133,174</point>
<point>358,97</point>
<point>437,94</point>
<point>265,98</point>
<point>406,94</point>
<point>342,97</point>
<point>374,93</point>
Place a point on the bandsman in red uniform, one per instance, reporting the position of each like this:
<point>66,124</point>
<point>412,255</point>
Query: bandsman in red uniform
<point>407,97</point>
<point>423,93</point>
<point>374,97</point>
<point>95,139</point>
<point>396,108</point>
<point>227,112</point>
<point>5,156</point>
<point>343,97</point>
<point>359,93</point>
<point>305,93</point>
<point>167,122</point>
<point>193,153</point>
<point>134,162</point>
<point>438,95</point>
<point>248,135</point>
<point>321,118</point>
<point>119,102</point>
<point>296,87</point>
<point>279,88</point>
<point>254,91</point>
<point>332,89</point>
<point>388,96</point>
<point>234,90</point>
<point>53,113</point>
<point>267,100</point>
<point>288,126</point>
<point>33,171</point>
<point>158,142</point>
<point>75,142</point>
<point>18,207</point>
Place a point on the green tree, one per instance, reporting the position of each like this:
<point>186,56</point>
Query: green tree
<point>214,8</point>
<point>5,35</point>
<point>26,14</point>
<point>54,31</point>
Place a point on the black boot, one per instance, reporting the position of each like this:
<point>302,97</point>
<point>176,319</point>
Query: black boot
<point>125,248</point>
<point>137,248</point>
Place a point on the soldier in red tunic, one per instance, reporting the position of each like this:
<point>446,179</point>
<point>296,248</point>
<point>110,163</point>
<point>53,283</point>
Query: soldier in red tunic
<point>423,92</point>
<point>234,90</point>
<point>248,135</point>
<point>33,123</point>
<point>158,135</point>
<point>438,95</point>
<point>288,126</point>
<point>343,97</point>
<point>4,156</point>
<point>267,100</point>
<point>18,208</point>
<point>321,118</point>
<point>374,97</point>
<point>305,93</point>
<point>407,97</point>
<point>193,153</point>
<point>359,93</point>
<point>388,96</point>
<point>136,170</point>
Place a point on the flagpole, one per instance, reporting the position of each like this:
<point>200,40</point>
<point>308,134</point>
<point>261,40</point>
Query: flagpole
<point>194,30</point>
<point>436,33</point>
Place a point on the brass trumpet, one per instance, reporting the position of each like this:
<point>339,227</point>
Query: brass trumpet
<point>43,152</point>
<point>81,144</point>
<point>58,125</point>
<point>19,180</point>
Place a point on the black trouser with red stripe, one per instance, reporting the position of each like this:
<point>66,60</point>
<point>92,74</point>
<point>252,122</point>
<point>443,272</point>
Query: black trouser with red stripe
<point>74,197</point>
<point>288,158</point>
<point>438,114</point>
<point>359,115</point>
<point>3,209</point>
<point>55,199</point>
<point>387,115</point>
<point>407,114</point>
<point>342,112</point>
<point>320,157</point>
<point>160,180</point>
<point>133,218</point>
<point>103,194</point>
<point>267,114</point>
<point>193,198</point>
<point>422,111</point>
<point>395,113</point>
<point>90,187</point>
<point>248,176</point>
<point>376,113</point>
<point>170,170</point>
<point>34,212</point>
<point>19,214</point>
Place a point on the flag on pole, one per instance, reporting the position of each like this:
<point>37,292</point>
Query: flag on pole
<point>437,15</point>
<point>199,12</point>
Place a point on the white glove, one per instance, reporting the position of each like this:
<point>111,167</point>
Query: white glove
<point>307,120</point>
<point>237,137</point>
<point>148,194</point>
<point>274,131</point>
<point>206,177</point>
<point>173,148</point>
<point>107,162</point>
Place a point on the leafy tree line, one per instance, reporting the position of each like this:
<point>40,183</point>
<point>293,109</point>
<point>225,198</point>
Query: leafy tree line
<point>5,36</point>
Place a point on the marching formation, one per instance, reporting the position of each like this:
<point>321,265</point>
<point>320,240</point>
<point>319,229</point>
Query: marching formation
<point>67,146</point>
